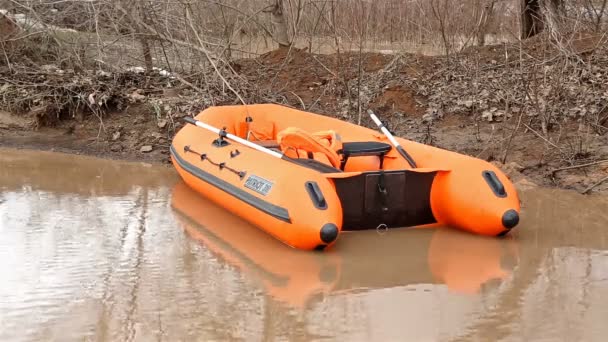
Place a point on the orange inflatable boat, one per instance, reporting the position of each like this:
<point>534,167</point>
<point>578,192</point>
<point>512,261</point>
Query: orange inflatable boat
<point>304,178</point>
<point>465,263</point>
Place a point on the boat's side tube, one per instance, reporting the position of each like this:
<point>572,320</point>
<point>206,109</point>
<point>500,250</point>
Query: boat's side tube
<point>295,204</point>
<point>476,197</point>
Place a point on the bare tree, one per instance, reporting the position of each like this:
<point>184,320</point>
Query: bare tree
<point>596,13</point>
<point>531,18</point>
<point>485,20</point>
<point>534,19</point>
<point>144,41</point>
<point>440,14</point>
<point>280,23</point>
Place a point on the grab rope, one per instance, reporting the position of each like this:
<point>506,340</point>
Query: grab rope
<point>222,165</point>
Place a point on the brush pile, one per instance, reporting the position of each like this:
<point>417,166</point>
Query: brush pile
<point>541,81</point>
<point>50,94</point>
<point>547,83</point>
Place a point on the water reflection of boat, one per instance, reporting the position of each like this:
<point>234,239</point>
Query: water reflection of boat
<point>365,260</point>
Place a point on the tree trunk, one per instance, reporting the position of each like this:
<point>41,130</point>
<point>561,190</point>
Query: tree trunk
<point>531,18</point>
<point>554,13</point>
<point>484,22</point>
<point>143,40</point>
<point>145,46</point>
<point>599,15</point>
<point>280,24</point>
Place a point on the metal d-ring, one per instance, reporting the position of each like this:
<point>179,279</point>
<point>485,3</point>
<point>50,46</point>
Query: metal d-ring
<point>382,229</point>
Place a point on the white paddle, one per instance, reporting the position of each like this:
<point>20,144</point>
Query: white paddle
<point>394,141</point>
<point>224,134</point>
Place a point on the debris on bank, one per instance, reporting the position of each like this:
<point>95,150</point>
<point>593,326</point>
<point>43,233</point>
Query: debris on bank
<point>544,81</point>
<point>548,88</point>
<point>50,94</point>
<point>538,80</point>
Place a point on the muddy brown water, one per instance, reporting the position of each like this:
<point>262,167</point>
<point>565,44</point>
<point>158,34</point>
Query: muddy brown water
<point>103,250</point>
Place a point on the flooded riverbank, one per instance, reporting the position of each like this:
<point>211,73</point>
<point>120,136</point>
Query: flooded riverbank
<point>105,250</point>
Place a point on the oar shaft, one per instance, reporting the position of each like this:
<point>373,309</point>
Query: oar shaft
<point>384,130</point>
<point>233,137</point>
<point>392,139</point>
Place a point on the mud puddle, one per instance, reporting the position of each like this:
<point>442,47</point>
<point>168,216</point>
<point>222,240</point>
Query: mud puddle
<point>103,250</point>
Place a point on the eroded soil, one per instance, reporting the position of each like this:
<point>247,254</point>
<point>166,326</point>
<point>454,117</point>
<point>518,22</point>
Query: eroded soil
<point>406,91</point>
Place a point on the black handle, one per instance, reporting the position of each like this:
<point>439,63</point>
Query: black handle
<point>495,184</point>
<point>190,120</point>
<point>407,157</point>
<point>316,195</point>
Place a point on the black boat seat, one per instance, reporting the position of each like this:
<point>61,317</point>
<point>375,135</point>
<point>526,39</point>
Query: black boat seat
<point>349,149</point>
<point>364,148</point>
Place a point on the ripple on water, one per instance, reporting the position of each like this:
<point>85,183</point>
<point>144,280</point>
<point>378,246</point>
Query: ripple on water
<point>104,256</point>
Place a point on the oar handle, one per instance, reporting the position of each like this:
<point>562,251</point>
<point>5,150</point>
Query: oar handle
<point>392,139</point>
<point>232,137</point>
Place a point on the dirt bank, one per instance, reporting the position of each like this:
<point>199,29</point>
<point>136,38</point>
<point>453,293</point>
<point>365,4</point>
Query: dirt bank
<point>479,102</point>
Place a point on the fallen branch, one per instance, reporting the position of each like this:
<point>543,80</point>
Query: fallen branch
<point>594,185</point>
<point>324,67</point>
<point>12,40</point>
<point>540,136</point>
<point>181,79</point>
<point>553,172</point>
<point>299,98</point>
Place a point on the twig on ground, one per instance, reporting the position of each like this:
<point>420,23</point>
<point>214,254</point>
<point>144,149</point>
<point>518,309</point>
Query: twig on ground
<point>181,79</point>
<point>595,185</point>
<point>324,67</point>
<point>554,171</point>
<point>312,105</point>
<point>540,136</point>
<point>300,99</point>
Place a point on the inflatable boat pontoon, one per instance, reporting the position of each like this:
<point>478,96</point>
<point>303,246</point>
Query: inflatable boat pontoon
<point>304,178</point>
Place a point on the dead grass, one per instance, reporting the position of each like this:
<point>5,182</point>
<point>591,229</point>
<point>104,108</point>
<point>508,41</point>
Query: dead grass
<point>188,56</point>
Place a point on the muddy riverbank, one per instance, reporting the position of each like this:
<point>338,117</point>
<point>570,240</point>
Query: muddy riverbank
<point>480,102</point>
<point>132,136</point>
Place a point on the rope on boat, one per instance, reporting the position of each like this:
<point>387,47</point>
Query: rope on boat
<point>221,165</point>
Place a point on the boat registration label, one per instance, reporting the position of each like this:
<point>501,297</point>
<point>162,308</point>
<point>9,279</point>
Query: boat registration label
<point>259,184</point>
